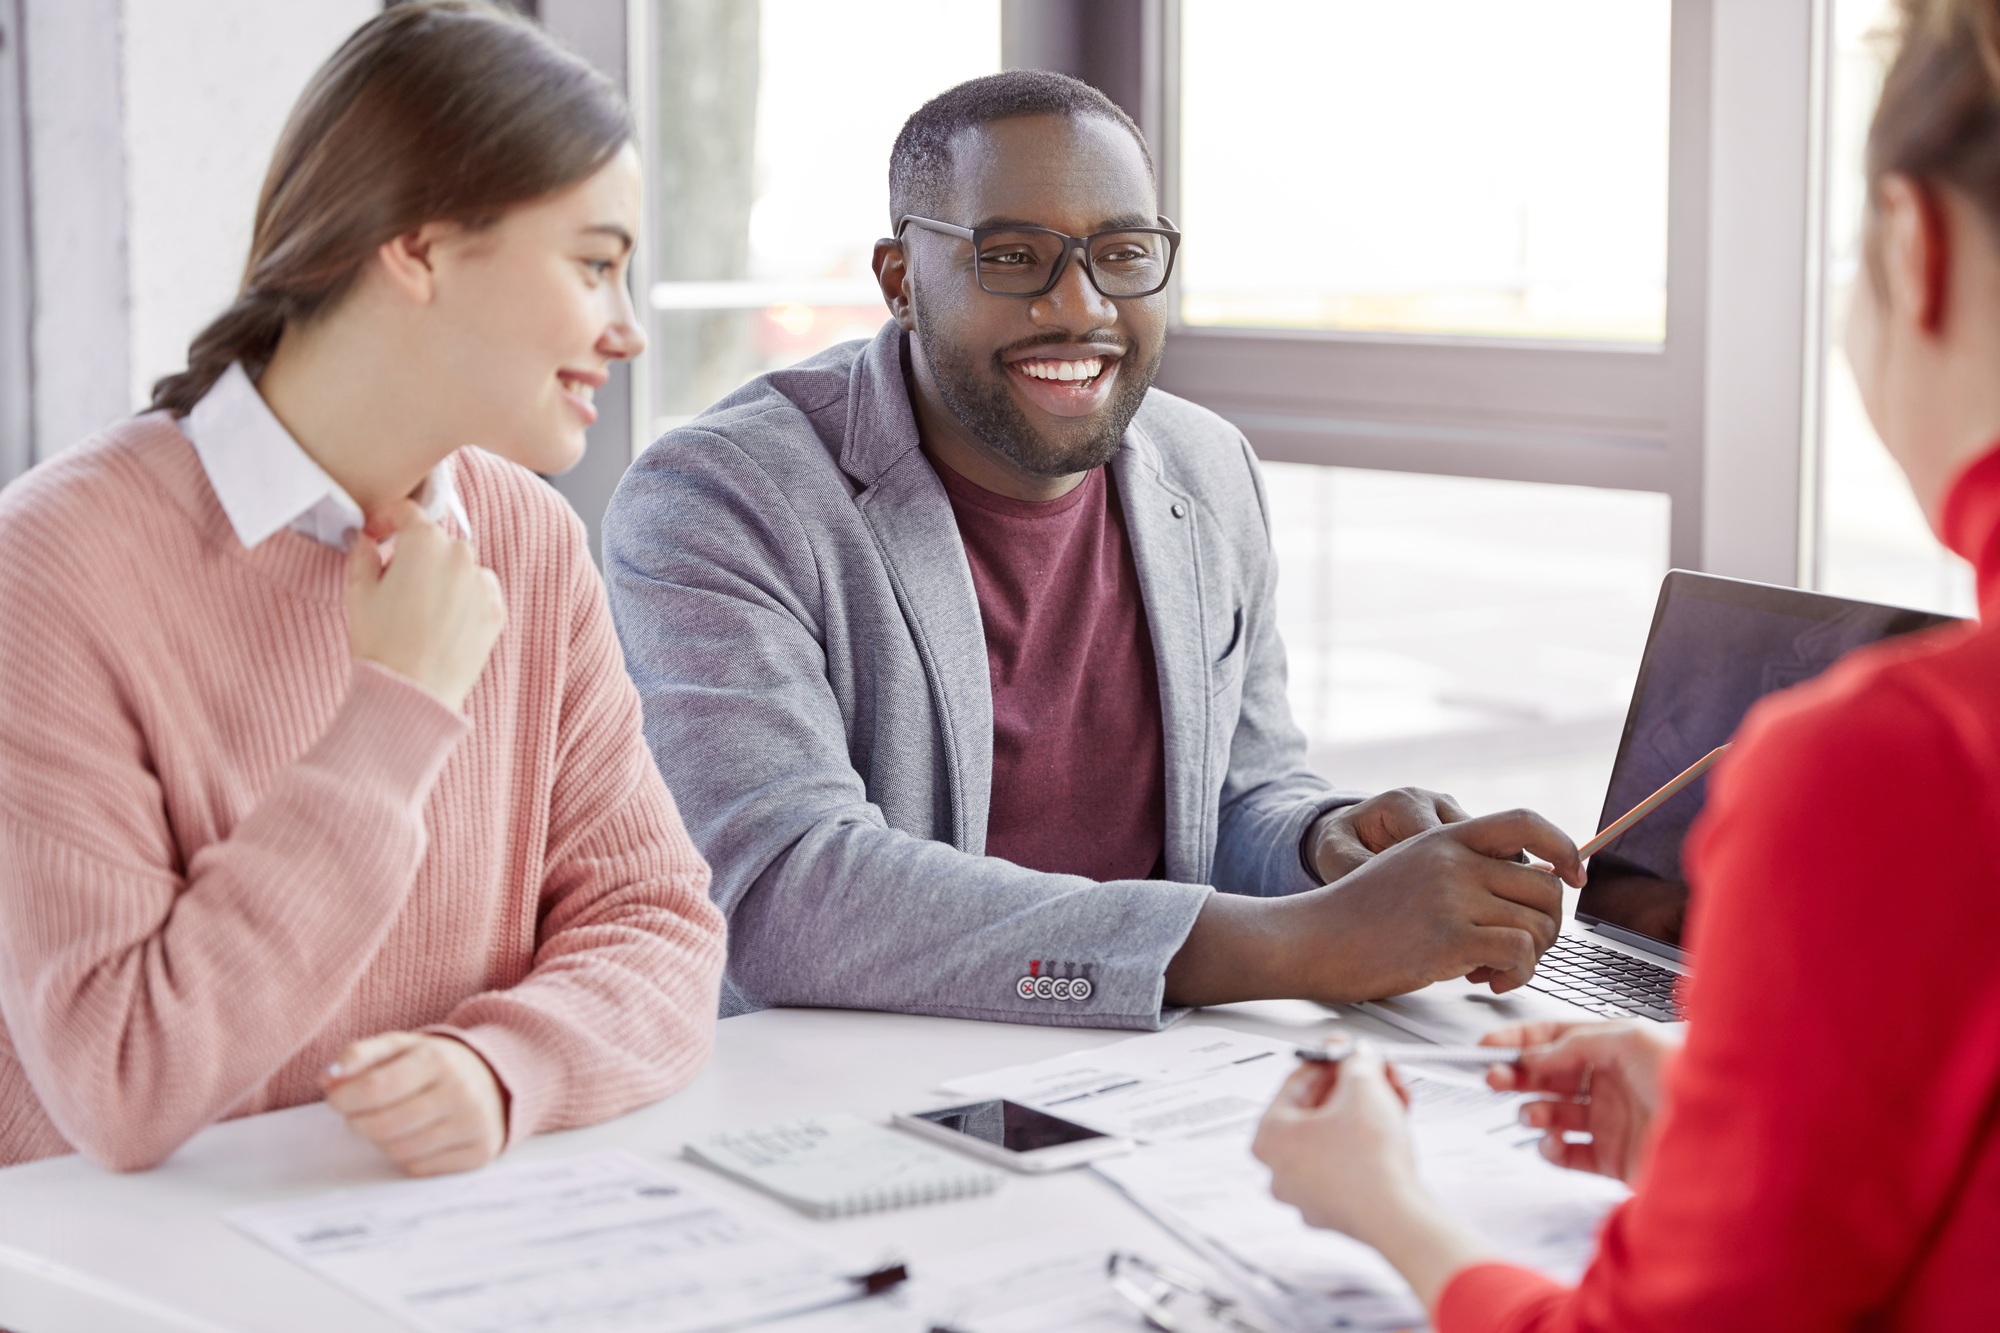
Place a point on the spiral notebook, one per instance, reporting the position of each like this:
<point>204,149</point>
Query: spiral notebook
<point>833,1165</point>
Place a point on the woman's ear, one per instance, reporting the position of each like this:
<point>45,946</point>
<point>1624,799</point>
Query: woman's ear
<point>1915,254</point>
<point>409,263</point>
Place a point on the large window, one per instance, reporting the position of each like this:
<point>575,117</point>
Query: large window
<point>771,127</point>
<point>1873,543</point>
<point>1427,240</point>
<point>1451,265</point>
<point>1429,166</point>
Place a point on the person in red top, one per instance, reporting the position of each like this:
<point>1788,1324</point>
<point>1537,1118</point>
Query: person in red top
<point>1822,1150</point>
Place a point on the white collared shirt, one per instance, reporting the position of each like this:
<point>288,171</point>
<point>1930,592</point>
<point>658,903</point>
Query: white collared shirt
<point>266,482</point>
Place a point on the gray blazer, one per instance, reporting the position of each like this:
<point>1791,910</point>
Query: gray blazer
<point>798,613</point>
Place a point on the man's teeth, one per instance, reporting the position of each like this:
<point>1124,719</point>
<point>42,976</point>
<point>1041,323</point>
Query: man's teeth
<point>1063,370</point>
<point>581,388</point>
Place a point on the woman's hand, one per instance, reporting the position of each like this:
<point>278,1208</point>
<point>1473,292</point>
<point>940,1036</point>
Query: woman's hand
<point>432,614</point>
<point>1604,1081</point>
<point>1338,1145</point>
<point>428,1102</point>
<point>1337,1141</point>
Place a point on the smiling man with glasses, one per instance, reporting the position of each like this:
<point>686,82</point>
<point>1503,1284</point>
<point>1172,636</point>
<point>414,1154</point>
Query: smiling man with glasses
<point>958,648</point>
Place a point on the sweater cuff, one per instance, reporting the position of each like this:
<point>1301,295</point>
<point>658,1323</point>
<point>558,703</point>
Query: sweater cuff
<point>527,1076</point>
<point>393,729</point>
<point>1493,1296</point>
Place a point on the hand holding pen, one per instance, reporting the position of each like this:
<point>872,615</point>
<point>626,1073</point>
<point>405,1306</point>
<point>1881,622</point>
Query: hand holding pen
<point>1600,1082</point>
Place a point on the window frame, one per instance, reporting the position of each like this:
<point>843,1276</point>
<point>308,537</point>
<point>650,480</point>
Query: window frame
<point>16,273</point>
<point>1721,416</point>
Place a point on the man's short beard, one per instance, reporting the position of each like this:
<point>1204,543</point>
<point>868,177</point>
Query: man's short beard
<point>978,397</point>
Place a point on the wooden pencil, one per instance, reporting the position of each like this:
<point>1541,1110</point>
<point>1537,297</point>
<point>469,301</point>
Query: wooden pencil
<point>1651,803</point>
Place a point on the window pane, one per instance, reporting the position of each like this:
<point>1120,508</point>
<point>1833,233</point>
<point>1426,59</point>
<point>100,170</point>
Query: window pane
<point>771,136</point>
<point>1494,167</point>
<point>1471,636</point>
<point>1874,543</point>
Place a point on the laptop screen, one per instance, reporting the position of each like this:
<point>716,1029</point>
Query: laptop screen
<point>1716,647</point>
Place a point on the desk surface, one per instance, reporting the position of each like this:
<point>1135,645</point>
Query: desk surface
<point>83,1248</point>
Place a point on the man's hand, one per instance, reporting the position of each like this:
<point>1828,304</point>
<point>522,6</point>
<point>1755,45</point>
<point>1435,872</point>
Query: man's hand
<point>1443,904</point>
<point>428,1102</point>
<point>1604,1081</point>
<point>1343,840</point>
<point>1338,1145</point>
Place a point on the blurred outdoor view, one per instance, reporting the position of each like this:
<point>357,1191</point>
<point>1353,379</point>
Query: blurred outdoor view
<point>772,125</point>
<point>1493,167</point>
<point>1471,636</point>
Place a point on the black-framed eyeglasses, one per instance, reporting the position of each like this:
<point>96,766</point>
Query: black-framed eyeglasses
<point>1029,261</point>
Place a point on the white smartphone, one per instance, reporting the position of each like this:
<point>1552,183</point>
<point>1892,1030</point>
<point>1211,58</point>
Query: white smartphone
<point>1014,1135</point>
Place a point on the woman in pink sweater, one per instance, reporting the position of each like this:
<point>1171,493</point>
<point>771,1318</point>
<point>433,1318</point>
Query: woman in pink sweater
<point>319,769</point>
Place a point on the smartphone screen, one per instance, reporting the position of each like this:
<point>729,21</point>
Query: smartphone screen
<point>1009,1125</point>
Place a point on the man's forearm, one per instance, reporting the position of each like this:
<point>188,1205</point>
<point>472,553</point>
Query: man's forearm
<point>1237,950</point>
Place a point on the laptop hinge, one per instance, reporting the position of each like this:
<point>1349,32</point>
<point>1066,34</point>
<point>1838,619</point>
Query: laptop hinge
<point>1638,941</point>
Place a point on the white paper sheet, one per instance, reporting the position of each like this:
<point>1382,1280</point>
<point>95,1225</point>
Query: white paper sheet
<point>1475,1156</point>
<point>1167,1085</point>
<point>1471,1152</point>
<point>604,1243</point>
<point>1054,1280</point>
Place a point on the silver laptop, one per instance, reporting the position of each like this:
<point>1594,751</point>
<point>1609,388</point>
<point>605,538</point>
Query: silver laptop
<point>1716,647</point>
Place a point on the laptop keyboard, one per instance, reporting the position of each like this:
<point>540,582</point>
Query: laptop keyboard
<point>1605,981</point>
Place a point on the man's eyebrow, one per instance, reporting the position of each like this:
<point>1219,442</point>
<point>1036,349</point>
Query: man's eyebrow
<point>612,229</point>
<point>1108,224</point>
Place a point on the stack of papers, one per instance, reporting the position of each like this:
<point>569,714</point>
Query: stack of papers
<point>1194,1095</point>
<point>604,1243</point>
<point>1169,1085</point>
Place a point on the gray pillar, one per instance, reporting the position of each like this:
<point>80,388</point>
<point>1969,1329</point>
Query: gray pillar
<point>16,397</point>
<point>595,30</point>
<point>79,284</point>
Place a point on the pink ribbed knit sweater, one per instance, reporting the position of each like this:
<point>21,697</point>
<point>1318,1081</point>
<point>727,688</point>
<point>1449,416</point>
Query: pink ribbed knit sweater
<point>227,849</point>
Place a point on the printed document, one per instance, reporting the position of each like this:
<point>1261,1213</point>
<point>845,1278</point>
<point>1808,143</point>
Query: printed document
<point>604,1243</point>
<point>1472,1153</point>
<point>1053,1280</point>
<point>1167,1085</point>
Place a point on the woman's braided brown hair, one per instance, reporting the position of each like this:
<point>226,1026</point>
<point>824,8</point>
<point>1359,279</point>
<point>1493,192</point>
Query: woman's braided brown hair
<point>441,111</point>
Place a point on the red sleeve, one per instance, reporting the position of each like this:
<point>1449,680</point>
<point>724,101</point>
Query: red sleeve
<point>1829,1093</point>
<point>1498,1296</point>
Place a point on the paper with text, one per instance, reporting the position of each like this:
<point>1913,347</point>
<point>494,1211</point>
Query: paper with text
<point>1166,1085</point>
<point>1055,1279</point>
<point>1471,1153</point>
<point>604,1243</point>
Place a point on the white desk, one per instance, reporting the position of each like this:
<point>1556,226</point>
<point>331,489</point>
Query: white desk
<point>84,1249</point>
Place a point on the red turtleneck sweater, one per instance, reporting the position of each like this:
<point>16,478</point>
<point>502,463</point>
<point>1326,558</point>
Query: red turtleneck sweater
<point>1828,1156</point>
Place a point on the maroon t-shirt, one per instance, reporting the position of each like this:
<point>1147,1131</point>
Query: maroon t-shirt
<point>1079,760</point>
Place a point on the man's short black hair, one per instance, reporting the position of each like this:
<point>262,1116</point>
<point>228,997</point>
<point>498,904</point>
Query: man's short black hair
<point>920,163</point>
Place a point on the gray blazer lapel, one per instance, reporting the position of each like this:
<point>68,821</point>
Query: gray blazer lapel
<point>907,510</point>
<point>1162,523</point>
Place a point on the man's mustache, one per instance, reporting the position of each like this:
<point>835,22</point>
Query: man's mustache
<point>1124,344</point>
